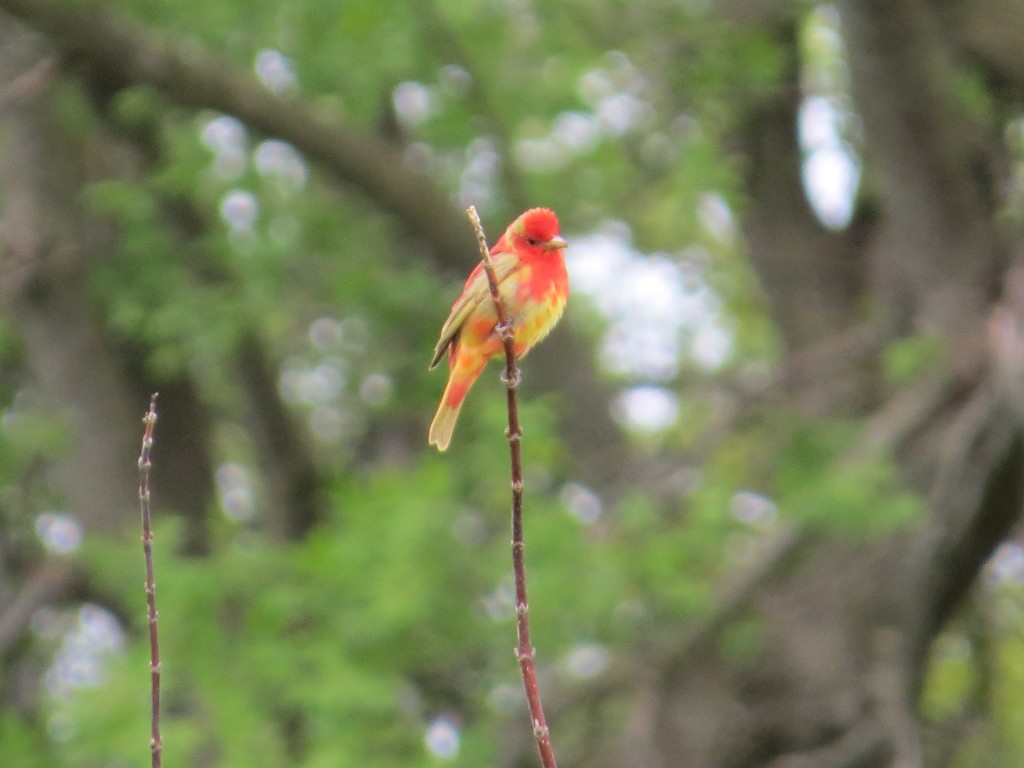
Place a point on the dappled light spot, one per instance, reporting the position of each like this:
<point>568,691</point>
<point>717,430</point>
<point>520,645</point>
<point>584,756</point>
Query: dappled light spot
<point>274,70</point>
<point>240,208</point>
<point>615,95</point>
<point>711,346</point>
<point>582,503</point>
<point>753,509</point>
<point>325,333</point>
<point>413,102</point>
<point>376,389</point>
<point>828,126</point>
<point>1006,565</point>
<point>94,635</point>
<point>60,533</point>
<point>646,408</point>
<point>236,492</point>
<point>499,605</point>
<point>324,381</point>
<point>479,173</point>
<point>226,138</point>
<point>577,132</point>
<point>224,133</point>
<point>619,113</point>
<point>831,176</point>
<point>541,154</point>
<point>280,160</point>
<point>454,80</point>
<point>716,217</point>
<point>587,661</point>
<point>355,333</point>
<point>317,385</point>
<point>661,311</point>
<point>443,739</point>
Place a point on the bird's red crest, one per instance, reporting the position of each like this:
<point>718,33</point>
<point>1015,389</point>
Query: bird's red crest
<point>540,224</point>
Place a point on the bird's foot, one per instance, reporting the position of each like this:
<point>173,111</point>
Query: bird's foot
<point>513,382</point>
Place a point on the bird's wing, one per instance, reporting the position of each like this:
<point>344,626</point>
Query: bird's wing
<point>475,291</point>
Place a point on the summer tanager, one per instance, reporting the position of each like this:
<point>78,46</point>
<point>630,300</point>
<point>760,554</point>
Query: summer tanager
<point>534,286</point>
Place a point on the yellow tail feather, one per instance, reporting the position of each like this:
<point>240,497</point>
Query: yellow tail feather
<point>443,425</point>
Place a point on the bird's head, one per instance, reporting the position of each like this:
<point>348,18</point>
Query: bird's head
<point>535,230</point>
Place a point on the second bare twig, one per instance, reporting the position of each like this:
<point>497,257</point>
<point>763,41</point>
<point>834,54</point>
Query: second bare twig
<point>145,464</point>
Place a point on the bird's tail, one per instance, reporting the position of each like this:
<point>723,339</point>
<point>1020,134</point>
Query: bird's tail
<point>443,425</point>
<point>459,382</point>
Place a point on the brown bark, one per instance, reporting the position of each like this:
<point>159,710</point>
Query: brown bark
<point>78,371</point>
<point>814,279</point>
<point>47,241</point>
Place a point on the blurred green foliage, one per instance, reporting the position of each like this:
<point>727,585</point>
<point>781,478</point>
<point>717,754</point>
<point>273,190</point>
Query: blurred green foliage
<point>913,357</point>
<point>824,483</point>
<point>342,649</point>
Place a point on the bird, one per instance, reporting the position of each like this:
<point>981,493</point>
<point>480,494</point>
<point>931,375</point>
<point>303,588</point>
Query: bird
<point>534,285</point>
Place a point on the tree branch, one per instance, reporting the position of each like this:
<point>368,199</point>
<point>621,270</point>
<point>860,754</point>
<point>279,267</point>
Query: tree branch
<point>977,498</point>
<point>813,278</point>
<point>990,31</point>
<point>126,55</point>
<point>863,746</point>
<point>53,579</point>
<point>294,489</point>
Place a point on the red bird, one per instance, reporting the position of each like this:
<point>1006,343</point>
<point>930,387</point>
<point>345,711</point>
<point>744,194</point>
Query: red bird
<point>535,287</point>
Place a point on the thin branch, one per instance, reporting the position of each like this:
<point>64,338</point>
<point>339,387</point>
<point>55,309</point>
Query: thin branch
<point>976,500</point>
<point>524,649</point>
<point>52,580</point>
<point>862,746</point>
<point>145,464</point>
<point>29,82</point>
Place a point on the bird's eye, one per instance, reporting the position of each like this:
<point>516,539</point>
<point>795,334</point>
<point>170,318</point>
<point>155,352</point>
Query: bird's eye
<point>532,241</point>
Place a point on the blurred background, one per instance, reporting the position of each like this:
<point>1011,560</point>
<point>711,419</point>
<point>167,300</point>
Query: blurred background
<point>774,454</point>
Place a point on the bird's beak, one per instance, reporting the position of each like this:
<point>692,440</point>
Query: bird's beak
<point>555,243</point>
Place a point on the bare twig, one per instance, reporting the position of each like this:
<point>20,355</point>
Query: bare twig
<point>524,649</point>
<point>145,464</point>
<point>29,82</point>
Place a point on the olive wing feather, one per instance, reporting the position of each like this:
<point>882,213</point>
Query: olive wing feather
<point>475,291</point>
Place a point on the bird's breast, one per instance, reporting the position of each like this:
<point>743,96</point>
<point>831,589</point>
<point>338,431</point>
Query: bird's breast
<point>541,293</point>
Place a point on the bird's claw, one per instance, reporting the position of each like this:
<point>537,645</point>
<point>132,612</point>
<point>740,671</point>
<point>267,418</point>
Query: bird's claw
<point>513,382</point>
